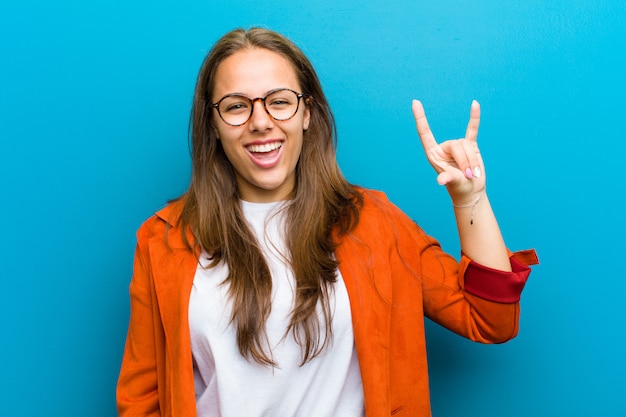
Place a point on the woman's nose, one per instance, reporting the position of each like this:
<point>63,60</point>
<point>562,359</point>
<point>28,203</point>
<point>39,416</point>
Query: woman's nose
<point>260,120</point>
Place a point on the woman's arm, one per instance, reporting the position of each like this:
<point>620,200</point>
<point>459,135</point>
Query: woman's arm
<point>461,169</point>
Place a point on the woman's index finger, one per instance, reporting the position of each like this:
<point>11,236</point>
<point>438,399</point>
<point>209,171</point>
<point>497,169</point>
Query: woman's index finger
<point>423,129</point>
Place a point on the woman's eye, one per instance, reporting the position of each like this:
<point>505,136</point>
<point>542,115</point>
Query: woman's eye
<point>235,107</point>
<point>279,102</point>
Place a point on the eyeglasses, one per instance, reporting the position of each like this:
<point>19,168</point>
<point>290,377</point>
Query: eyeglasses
<point>236,109</point>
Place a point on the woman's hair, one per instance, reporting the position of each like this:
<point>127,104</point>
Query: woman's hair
<point>322,208</point>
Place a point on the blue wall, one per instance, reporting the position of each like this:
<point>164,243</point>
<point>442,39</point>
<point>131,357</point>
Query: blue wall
<point>94,101</point>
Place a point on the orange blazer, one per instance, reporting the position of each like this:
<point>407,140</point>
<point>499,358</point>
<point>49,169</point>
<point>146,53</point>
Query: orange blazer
<point>395,275</point>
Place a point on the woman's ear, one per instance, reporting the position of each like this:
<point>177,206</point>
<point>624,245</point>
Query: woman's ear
<point>307,118</point>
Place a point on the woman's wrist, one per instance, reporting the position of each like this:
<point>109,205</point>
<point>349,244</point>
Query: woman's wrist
<point>472,205</point>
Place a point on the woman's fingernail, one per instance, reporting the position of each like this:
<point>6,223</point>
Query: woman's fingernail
<point>477,172</point>
<point>468,173</point>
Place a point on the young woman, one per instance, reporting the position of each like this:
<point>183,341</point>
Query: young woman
<point>273,287</point>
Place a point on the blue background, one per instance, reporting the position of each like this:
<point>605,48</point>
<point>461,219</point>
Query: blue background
<point>94,103</point>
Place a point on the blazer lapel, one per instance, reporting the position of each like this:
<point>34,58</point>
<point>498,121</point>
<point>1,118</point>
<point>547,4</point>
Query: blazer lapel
<point>173,269</point>
<point>369,291</point>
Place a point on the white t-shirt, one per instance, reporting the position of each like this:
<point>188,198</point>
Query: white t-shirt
<point>229,385</point>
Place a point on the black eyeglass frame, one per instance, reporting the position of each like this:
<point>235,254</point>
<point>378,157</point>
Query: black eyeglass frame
<point>299,96</point>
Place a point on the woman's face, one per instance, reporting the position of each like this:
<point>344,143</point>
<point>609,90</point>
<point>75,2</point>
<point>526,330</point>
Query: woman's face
<point>263,151</point>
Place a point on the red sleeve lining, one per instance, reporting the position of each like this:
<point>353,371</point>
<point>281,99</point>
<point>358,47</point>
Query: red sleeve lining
<point>495,285</point>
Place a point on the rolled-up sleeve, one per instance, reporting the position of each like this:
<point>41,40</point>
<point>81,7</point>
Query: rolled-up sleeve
<point>500,286</point>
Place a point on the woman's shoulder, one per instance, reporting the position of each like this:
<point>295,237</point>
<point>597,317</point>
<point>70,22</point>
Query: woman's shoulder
<point>378,212</point>
<point>381,222</point>
<point>376,202</point>
<point>164,220</point>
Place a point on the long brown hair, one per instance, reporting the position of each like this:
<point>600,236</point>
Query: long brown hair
<point>323,206</point>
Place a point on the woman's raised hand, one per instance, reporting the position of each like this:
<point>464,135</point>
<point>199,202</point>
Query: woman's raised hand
<point>458,162</point>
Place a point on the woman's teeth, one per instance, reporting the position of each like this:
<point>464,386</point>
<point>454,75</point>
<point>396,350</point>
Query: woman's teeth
<point>267,147</point>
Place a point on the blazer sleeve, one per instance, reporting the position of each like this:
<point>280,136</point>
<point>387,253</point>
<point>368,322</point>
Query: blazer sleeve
<point>136,392</point>
<point>468,299</point>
